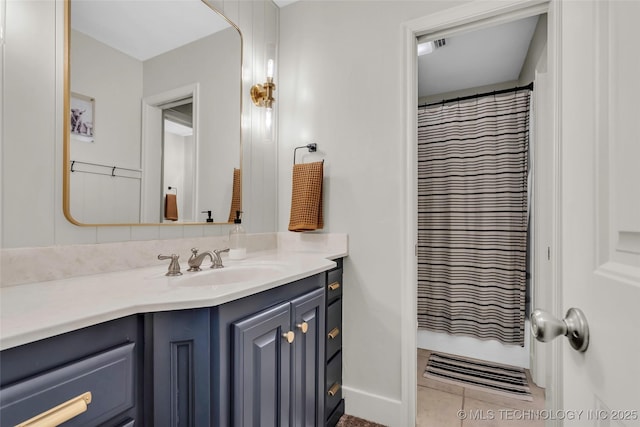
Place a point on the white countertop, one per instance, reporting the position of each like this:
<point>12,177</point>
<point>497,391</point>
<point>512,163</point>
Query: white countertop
<point>34,311</point>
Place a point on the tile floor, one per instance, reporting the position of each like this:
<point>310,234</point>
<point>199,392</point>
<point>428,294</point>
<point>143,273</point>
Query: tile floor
<point>444,405</point>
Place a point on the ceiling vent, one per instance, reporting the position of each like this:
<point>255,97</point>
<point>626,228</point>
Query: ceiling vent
<point>428,47</point>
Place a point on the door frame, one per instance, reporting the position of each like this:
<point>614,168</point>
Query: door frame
<point>149,103</point>
<point>476,14</point>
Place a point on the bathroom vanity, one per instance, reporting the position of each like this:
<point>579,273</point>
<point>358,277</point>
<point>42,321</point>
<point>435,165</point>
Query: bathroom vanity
<point>105,360</point>
<point>193,354</point>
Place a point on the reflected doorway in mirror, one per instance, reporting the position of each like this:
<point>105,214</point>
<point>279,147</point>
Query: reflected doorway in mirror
<point>82,117</point>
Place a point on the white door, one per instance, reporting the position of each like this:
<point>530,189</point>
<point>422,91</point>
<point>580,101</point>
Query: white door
<point>599,207</point>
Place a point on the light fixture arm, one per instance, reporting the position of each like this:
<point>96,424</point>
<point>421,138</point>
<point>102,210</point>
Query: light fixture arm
<point>262,94</point>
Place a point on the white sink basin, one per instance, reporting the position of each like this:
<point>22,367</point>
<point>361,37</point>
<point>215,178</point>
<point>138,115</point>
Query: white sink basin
<point>236,273</point>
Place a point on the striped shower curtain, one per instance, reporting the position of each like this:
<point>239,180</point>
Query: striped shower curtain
<point>472,216</point>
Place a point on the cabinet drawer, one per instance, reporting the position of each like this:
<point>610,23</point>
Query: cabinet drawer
<point>334,328</point>
<point>334,284</point>
<point>109,376</point>
<point>333,387</point>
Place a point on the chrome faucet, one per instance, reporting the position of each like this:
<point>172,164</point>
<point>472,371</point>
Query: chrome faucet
<point>196,259</point>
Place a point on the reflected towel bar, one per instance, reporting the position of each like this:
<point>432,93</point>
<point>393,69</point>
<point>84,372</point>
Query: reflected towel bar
<point>111,173</point>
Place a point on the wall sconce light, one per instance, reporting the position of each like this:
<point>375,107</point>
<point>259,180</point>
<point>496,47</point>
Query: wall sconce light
<point>262,94</point>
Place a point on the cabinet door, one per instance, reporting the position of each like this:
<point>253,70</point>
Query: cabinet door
<point>308,373</point>
<point>181,369</point>
<point>261,369</point>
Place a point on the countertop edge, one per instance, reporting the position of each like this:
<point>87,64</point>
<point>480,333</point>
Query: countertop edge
<point>150,303</point>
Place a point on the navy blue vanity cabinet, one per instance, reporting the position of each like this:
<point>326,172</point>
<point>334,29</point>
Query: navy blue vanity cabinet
<point>262,373</point>
<point>307,314</point>
<point>277,365</point>
<point>179,366</point>
<point>334,406</point>
<point>105,360</point>
<point>270,369</point>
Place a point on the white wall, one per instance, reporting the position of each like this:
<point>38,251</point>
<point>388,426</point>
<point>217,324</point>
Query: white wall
<point>117,107</point>
<point>32,131</point>
<point>466,92</point>
<point>341,87</point>
<point>29,124</point>
<point>96,197</point>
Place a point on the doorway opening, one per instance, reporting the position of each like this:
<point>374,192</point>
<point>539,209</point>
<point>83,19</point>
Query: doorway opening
<point>178,158</point>
<point>170,144</point>
<point>461,62</point>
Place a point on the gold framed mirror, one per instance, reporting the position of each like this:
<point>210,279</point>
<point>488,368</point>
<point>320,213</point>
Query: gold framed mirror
<point>152,113</point>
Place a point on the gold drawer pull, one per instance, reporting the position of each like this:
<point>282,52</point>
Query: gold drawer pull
<point>333,333</point>
<point>289,336</point>
<point>334,286</point>
<point>304,327</point>
<point>61,413</point>
<point>334,389</point>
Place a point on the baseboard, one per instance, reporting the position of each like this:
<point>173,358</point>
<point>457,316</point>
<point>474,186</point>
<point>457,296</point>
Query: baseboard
<point>372,407</point>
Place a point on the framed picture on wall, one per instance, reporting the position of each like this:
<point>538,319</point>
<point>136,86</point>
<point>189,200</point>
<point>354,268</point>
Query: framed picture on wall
<point>82,117</point>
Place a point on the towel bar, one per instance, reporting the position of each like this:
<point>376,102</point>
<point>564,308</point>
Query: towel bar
<point>312,149</point>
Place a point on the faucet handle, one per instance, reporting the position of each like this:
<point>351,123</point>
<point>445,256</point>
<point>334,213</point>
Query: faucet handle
<point>194,251</point>
<point>217,261</point>
<point>174,266</point>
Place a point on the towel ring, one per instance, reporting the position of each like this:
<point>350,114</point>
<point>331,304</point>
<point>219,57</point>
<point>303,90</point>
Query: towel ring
<point>313,147</point>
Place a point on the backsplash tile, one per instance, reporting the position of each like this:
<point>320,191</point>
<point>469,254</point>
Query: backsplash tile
<point>113,234</point>
<point>313,242</point>
<point>148,232</point>
<point>40,264</point>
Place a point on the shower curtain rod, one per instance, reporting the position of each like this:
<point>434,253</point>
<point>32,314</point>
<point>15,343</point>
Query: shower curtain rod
<point>478,95</point>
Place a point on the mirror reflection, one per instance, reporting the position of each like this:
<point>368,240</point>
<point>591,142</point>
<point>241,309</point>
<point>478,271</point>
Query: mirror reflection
<point>153,113</point>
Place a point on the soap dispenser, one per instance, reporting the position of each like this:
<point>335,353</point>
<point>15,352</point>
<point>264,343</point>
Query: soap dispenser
<point>209,218</point>
<point>237,239</point>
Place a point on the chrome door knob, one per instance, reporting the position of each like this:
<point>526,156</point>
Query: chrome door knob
<point>545,327</point>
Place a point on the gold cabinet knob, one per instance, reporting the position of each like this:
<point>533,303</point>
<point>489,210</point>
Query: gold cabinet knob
<point>304,327</point>
<point>289,336</point>
<point>334,389</point>
<point>333,333</point>
<point>334,286</point>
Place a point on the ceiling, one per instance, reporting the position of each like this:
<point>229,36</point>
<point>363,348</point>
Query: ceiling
<point>479,58</point>
<point>144,29</point>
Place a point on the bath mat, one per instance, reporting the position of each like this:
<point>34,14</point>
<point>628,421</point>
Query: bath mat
<point>505,380</point>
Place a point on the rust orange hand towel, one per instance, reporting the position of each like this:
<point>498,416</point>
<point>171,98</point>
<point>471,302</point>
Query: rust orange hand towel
<point>170,207</point>
<point>306,197</point>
